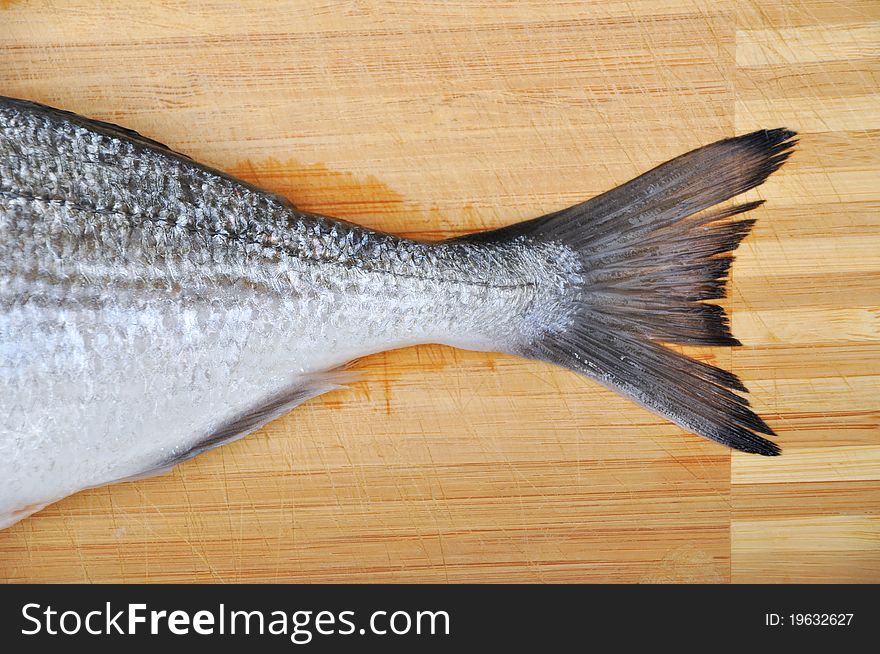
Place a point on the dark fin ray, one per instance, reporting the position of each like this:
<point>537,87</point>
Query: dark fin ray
<point>652,250</point>
<point>249,421</point>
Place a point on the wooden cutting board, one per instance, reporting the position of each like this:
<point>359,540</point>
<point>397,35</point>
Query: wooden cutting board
<point>435,118</point>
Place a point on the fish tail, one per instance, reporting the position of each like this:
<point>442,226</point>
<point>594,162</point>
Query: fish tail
<point>650,253</point>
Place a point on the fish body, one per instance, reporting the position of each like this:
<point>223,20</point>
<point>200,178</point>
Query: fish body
<point>152,308</point>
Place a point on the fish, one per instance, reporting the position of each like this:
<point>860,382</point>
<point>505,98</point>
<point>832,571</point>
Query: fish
<point>153,308</point>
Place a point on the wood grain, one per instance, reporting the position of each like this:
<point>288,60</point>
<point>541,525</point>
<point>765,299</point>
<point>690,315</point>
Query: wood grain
<point>436,118</point>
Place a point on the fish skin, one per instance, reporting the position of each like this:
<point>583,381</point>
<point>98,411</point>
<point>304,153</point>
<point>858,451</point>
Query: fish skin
<point>152,308</point>
<point>148,302</point>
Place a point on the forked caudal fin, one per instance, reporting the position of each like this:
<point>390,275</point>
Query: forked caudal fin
<point>652,251</point>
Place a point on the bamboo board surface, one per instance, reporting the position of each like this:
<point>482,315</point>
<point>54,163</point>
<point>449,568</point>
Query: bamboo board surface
<point>433,119</point>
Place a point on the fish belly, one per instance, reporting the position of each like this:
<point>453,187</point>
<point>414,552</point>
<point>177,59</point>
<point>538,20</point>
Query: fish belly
<point>91,395</point>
